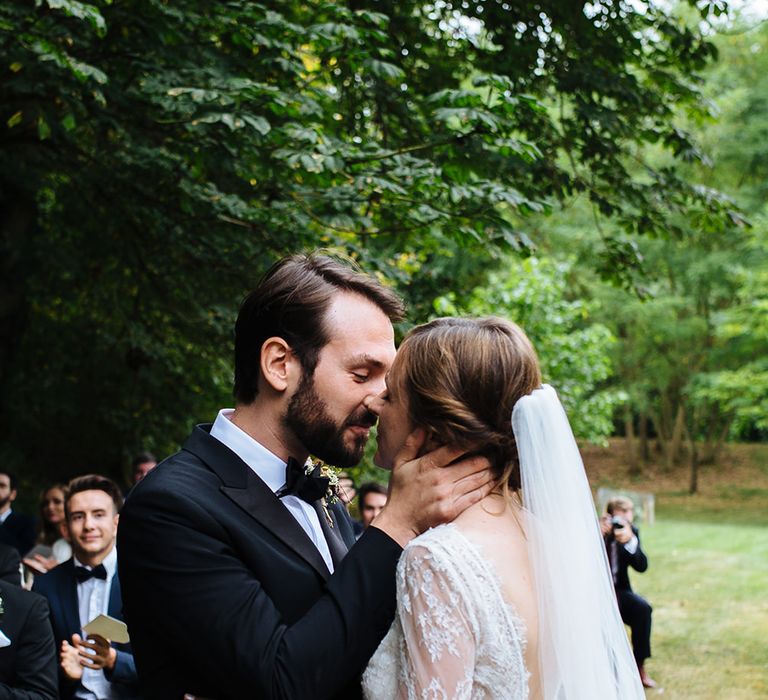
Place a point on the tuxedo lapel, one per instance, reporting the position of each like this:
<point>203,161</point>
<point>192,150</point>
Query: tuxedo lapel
<point>336,544</point>
<point>70,607</point>
<point>262,505</point>
<point>252,495</point>
<point>115,607</point>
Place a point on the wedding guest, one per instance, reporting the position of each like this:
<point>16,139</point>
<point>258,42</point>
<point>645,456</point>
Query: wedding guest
<point>27,649</point>
<point>16,529</point>
<point>142,464</point>
<point>85,586</point>
<point>52,531</point>
<point>622,541</point>
<point>371,501</point>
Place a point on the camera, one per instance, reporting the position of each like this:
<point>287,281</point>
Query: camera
<point>617,523</point>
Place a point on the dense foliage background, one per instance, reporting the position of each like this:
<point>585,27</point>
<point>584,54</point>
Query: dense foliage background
<point>156,157</point>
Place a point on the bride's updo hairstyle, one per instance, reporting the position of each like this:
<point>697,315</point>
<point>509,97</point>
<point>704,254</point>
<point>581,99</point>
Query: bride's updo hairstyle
<point>462,377</point>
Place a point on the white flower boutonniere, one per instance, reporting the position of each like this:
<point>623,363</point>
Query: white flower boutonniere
<point>321,470</point>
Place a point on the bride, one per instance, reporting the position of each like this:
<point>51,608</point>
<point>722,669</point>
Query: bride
<point>513,600</point>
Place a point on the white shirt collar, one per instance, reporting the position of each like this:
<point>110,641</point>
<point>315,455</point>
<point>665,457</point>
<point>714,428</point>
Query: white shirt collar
<point>265,464</point>
<point>110,563</point>
<point>4,516</point>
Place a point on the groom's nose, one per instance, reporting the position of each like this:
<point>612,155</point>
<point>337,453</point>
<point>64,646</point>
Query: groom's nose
<point>373,403</point>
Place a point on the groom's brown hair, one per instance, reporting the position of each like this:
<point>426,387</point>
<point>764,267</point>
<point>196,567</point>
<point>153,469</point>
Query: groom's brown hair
<point>290,302</point>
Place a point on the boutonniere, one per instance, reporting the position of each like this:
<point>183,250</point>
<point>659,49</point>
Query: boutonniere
<point>319,469</point>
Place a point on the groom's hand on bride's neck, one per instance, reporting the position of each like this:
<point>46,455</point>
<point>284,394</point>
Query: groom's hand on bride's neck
<point>430,488</point>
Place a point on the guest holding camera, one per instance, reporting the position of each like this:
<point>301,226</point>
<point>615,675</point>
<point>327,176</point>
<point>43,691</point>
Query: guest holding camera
<point>622,543</point>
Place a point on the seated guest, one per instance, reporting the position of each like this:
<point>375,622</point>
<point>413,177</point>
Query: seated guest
<point>84,587</point>
<point>142,464</point>
<point>50,534</point>
<point>27,649</point>
<point>622,542</point>
<point>16,529</point>
<point>371,501</point>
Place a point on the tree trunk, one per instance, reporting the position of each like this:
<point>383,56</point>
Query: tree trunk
<point>662,439</point>
<point>678,432</point>
<point>645,452</point>
<point>713,448</point>
<point>629,431</point>
<point>694,485</point>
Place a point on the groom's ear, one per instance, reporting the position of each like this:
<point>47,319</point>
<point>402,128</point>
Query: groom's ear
<point>279,365</point>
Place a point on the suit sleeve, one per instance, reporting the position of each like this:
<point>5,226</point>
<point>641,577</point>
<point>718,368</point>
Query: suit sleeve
<point>124,670</point>
<point>182,581</point>
<point>638,561</point>
<point>36,668</point>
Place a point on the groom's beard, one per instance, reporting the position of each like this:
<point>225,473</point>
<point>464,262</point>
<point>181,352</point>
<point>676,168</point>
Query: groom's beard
<point>307,416</point>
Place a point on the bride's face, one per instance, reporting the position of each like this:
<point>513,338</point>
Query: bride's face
<point>394,424</point>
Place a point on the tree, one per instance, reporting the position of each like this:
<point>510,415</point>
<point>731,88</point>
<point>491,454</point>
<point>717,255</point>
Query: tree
<point>154,156</point>
<point>574,350</point>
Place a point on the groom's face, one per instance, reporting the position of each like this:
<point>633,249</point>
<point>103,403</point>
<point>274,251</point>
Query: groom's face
<point>329,411</point>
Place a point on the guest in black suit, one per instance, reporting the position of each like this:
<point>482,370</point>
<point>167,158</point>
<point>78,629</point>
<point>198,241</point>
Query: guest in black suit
<point>236,577</point>
<point>622,541</point>
<point>16,529</point>
<point>10,565</point>
<point>84,587</point>
<point>27,649</point>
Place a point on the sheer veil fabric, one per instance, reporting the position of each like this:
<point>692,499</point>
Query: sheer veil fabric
<point>584,650</point>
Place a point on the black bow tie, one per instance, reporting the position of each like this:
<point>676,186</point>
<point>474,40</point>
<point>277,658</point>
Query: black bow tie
<point>308,487</point>
<point>83,574</point>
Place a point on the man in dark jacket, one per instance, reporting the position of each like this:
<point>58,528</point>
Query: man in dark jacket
<point>27,649</point>
<point>16,529</point>
<point>84,587</point>
<point>622,542</point>
<point>233,552</point>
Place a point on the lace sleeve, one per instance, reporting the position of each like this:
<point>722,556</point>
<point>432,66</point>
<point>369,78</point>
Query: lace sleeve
<point>438,648</point>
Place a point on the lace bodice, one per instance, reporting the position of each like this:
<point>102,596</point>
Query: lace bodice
<point>454,637</point>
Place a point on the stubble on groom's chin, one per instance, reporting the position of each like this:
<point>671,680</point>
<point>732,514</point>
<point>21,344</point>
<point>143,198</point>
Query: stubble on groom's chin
<point>307,417</point>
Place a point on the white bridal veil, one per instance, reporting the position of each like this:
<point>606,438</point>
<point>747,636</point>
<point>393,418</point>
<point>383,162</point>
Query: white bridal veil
<point>585,654</point>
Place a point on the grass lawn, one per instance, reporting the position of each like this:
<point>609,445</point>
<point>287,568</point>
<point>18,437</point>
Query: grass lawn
<point>707,578</point>
<point>707,583</point>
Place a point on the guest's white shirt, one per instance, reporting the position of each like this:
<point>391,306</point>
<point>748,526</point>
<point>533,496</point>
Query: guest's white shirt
<point>271,470</point>
<point>4,516</point>
<point>93,600</point>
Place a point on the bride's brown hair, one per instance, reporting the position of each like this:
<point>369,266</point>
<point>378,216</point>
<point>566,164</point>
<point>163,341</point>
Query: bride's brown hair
<point>462,377</point>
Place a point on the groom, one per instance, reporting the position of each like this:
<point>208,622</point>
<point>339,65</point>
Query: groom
<point>236,577</point>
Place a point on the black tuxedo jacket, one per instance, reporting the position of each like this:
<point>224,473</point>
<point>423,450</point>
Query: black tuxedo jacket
<point>59,586</point>
<point>28,664</point>
<point>638,561</point>
<point>18,530</point>
<point>227,597</point>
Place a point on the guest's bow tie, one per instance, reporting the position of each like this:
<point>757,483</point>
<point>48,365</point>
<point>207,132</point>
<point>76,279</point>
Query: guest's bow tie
<point>308,487</point>
<point>83,574</point>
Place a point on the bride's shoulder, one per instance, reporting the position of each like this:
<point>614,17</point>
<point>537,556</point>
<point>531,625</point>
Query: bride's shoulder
<point>432,538</point>
<point>438,548</point>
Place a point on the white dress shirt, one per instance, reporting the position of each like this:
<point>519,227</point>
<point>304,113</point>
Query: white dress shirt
<point>4,516</point>
<point>93,600</point>
<point>271,470</point>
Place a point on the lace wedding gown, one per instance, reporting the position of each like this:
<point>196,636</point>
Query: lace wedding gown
<point>454,636</point>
